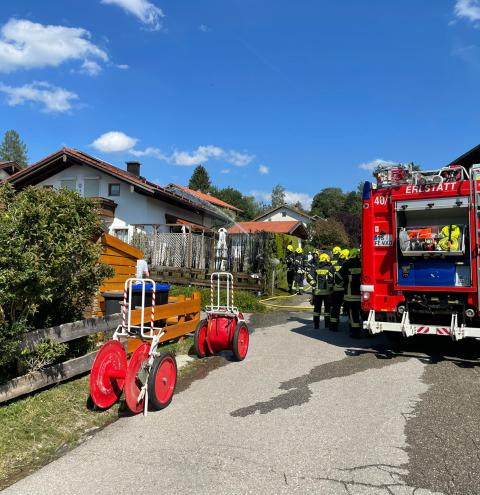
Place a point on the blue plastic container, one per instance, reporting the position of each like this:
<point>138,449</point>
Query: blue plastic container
<point>161,294</point>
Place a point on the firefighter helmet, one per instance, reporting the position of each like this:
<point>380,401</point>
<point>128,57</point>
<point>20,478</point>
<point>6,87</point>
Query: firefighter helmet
<point>324,258</point>
<point>290,248</point>
<point>354,253</point>
<point>299,250</point>
<point>337,250</point>
<point>344,254</point>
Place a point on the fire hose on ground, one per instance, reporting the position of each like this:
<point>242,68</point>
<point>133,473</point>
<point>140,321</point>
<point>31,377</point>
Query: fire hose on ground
<point>268,305</point>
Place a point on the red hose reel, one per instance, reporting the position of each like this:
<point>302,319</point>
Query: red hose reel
<point>224,329</point>
<point>149,377</point>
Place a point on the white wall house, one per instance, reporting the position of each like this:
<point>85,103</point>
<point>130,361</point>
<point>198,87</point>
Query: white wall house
<point>126,199</point>
<point>284,213</point>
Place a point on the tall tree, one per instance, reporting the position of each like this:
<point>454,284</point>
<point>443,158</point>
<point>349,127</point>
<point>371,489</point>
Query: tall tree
<point>200,180</point>
<point>326,234</point>
<point>328,201</point>
<point>13,149</point>
<point>278,196</point>
<point>250,208</point>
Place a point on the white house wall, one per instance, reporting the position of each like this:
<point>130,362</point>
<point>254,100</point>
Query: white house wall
<point>277,216</point>
<point>132,207</point>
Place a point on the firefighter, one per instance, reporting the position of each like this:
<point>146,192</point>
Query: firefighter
<point>335,255</point>
<point>351,272</point>
<point>338,291</point>
<point>299,267</point>
<point>320,279</point>
<point>290,264</point>
<point>450,238</point>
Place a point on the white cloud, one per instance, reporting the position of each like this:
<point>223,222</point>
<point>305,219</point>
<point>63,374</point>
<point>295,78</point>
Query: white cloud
<point>118,141</point>
<point>264,170</point>
<point>150,152</point>
<point>290,197</point>
<point>114,141</point>
<point>91,68</point>
<point>148,13</point>
<point>238,159</point>
<point>52,98</point>
<point>204,28</point>
<point>26,45</point>
<point>203,153</point>
<point>375,163</point>
<point>225,171</point>
<point>468,9</point>
<point>123,66</point>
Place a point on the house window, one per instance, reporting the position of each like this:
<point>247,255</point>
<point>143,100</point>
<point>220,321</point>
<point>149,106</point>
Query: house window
<point>91,188</point>
<point>70,184</point>
<point>121,234</point>
<point>114,189</point>
<point>284,213</point>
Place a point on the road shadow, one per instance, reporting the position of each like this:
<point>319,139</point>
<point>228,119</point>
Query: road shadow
<point>429,349</point>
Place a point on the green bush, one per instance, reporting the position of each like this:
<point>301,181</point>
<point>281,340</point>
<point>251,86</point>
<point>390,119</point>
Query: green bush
<point>49,262</point>
<point>45,353</point>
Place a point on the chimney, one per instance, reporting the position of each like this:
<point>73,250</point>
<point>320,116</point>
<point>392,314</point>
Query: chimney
<point>134,168</point>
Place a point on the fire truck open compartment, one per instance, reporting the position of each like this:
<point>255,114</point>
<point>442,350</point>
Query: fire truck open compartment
<point>433,243</point>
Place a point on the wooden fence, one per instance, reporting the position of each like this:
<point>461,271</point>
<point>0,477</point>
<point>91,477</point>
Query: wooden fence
<point>182,315</point>
<point>123,259</point>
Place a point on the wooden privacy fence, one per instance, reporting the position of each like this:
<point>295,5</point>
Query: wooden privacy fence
<point>181,314</point>
<point>123,259</point>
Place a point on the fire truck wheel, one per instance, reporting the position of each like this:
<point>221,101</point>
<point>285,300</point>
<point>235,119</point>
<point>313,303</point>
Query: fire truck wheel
<point>200,340</point>
<point>162,381</point>
<point>241,338</point>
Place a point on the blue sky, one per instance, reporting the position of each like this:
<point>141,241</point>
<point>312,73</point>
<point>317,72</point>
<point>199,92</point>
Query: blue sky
<point>302,93</point>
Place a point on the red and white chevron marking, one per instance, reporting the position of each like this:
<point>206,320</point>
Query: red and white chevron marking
<point>436,330</point>
<point>423,330</point>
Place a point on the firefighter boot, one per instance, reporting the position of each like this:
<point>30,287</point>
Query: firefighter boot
<point>316,322</point>
<point>333,324</point>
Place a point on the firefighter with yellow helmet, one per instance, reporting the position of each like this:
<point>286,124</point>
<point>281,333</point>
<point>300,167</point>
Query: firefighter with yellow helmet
<point>320,278</point>
<point>336,251</point>
<point>299,268</point>
<point>351,273</point>
<point>290,265</point>
<point>338,290</point>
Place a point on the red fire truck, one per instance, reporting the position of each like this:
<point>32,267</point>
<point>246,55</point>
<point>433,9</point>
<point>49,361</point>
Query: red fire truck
<point>420,251</point>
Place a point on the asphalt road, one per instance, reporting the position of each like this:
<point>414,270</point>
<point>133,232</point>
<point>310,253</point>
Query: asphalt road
<point>308,411</point>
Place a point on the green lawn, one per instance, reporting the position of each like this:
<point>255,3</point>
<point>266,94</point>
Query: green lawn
<point>246,301</point>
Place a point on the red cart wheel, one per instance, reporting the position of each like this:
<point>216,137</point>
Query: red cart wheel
<point>200,339</point>
<point>136,378</point>
<point>107,376</point>
<point>241,338</point>
<point>162,381</point>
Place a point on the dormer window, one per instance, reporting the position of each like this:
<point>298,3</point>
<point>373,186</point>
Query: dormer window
<point>114,189</point>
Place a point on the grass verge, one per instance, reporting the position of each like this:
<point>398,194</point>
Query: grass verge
<point>246,301</point>
<point>39,428</point>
